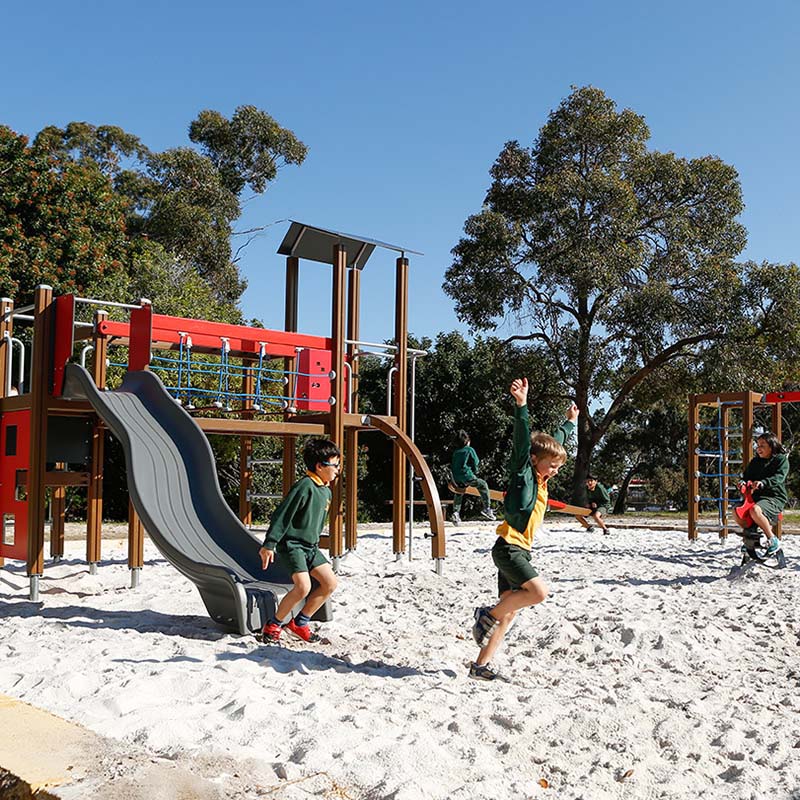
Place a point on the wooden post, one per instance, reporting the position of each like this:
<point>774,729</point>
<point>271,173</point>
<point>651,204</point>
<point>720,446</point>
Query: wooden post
<point>135,539</point>
<point>6,358</point>
<point>335,546</point>
<point>58,506</point>
<point>143,316</point>
<point>246,445</point>
<point>350,459</point>
<point>400,404</point>
<point>94,505</point>
<point>725,422</point>
<point>290,365</point>
<point>693,466</point>
<point>40,386</point>
<point>749,401</point>
<point>777,429</point>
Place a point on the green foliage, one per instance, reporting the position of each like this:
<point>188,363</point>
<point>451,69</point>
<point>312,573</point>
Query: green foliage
<point>248,149</point>
<point>61,223</point>
<point>619,260</point>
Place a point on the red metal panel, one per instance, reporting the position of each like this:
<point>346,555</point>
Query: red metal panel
<point>781,397</point>
<point>15,438</point>
<point>141,336</point>
<point>313,387</point>
<point>314,384</point>
<point>208,335</point>
<point>64,339</point>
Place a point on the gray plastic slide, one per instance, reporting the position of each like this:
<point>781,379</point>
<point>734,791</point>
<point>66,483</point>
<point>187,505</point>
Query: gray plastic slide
<point>172,480</point>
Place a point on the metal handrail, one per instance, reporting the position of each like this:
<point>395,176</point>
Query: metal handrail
<point>93,302</point>
<point>9,366</point>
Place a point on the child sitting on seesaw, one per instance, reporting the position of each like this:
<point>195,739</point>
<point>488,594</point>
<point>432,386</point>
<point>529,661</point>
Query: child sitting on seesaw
<point>599,501</point>
<point>462,467</point>
<point>535,458</point>
<point>766,473</point>
<point>293,538</point>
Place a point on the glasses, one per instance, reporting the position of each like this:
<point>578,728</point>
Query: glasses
<point>336,465</point>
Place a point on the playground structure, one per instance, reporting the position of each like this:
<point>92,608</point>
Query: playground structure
<point>62,416</point>
<point>725,442</point>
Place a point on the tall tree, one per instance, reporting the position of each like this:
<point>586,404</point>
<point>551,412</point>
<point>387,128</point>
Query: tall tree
<point>618,259</point>
<point>185,199</point>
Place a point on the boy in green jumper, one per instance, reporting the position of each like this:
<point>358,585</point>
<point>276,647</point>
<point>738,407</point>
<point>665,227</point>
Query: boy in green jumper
<point>293,538</point>
<point>599,501</point>
<point>463,465</point>
<point>767,471</point>
<point>535,458</point>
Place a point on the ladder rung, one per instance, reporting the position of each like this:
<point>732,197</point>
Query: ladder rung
<point>262,496</point>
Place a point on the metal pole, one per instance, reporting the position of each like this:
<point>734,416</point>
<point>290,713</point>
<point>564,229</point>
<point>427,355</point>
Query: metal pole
<point>392,370</point>
<point>411,470</point>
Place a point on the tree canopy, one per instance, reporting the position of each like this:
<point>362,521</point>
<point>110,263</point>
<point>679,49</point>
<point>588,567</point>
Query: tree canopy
<point>618,259</point>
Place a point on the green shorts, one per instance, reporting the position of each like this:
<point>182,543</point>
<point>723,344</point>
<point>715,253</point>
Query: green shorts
<point>771,507</point>
<point>299,557</point>
<point>602,510</point>
<point>513,565</point>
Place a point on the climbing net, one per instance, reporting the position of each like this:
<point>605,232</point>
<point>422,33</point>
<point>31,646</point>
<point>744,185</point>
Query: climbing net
<point>719,450</point>
<point>216,382</point>
<point>719,465</point>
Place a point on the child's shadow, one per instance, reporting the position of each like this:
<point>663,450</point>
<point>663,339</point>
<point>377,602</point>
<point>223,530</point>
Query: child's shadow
<point>285,661</point>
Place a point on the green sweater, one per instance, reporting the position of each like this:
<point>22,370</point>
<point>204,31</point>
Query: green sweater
<point>465,462</point>
<point>522,485</point>
<point>772,472</point>
<point>599,495</point>
<point>301,515</point>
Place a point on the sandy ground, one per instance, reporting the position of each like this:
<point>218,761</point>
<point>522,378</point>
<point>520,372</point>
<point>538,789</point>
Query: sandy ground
<point>650,672</point>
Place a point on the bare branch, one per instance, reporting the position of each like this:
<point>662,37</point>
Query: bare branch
<point>259,228</point>
<point>673,351</point>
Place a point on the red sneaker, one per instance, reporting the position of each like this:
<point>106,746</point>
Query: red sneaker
<point>271,632</point>
<point>304,632</point>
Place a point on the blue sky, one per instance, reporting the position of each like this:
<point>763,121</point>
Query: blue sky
<point>404,108</point>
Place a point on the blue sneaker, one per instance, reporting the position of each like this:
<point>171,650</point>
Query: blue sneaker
<point>773,546</point>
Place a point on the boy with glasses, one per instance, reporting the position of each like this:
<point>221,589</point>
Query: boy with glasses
<point>293,539</point>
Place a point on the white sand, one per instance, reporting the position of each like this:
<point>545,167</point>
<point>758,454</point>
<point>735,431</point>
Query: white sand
<point>647,673</point>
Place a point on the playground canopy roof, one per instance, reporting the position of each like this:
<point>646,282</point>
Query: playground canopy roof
<point>316,244</point>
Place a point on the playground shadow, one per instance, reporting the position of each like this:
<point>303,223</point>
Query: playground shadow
<point>20,567</point>
<point>285,661</point>
<point>721,561</point>
<point>187,626</point>
<point>689,558</point>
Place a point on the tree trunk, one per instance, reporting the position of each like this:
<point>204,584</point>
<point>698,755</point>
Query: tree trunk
<point>619,504</point>
<point>582,459</point>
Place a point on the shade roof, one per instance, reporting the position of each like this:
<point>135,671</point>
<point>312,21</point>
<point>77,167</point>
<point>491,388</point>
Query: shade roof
<point>316,244</point>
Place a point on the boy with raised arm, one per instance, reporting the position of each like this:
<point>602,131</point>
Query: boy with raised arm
<point>535,458</point>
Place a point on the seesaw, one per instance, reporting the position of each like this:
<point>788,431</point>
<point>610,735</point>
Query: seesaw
<point>495,494</point>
